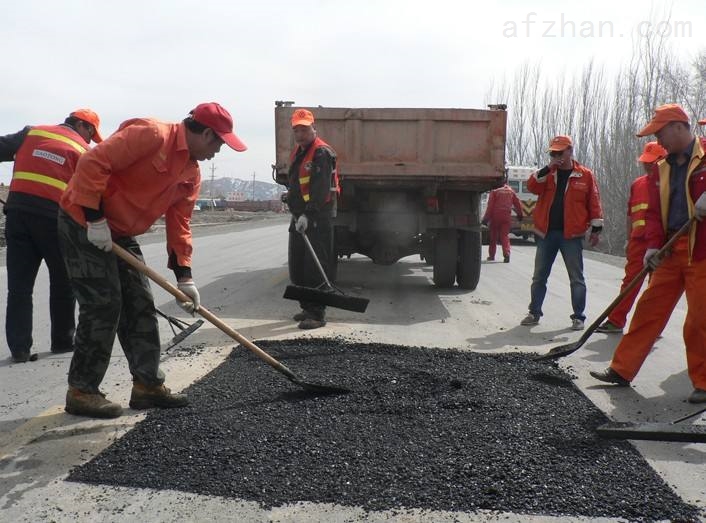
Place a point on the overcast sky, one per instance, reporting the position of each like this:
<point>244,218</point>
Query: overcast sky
<point>160,58</point>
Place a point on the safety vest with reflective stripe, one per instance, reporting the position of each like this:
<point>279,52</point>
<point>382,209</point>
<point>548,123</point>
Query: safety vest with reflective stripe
<point>46,160</point>
<point>637,206</point>
<point>305,170</point>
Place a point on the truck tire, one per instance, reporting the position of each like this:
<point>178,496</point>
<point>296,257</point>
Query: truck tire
<point>469,259</point>
<point>445,258</point>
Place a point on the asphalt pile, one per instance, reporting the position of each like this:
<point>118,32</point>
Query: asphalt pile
<point>421,428</point>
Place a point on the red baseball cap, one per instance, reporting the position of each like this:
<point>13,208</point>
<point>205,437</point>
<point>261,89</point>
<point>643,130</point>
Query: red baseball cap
<point>302,117</point>
<point>652,152</point>
<point>91,117</point>
<point>664,114</point>
<point>702,122</point>
<point>217,118</point>
<point>560,143</point>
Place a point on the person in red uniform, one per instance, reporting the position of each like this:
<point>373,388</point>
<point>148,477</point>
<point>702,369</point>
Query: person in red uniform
<point>145,170</point>
<point>501,202</point>
<point>677,194</point>
<point>45,157</point>
<point>636,245</point>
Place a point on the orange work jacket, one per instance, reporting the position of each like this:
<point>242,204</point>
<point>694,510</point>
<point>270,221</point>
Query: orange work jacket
<point>637,206</point>
<point>582,203</point>
<point>46,160</point>
<point>143,171</point>
<point>305,170</point>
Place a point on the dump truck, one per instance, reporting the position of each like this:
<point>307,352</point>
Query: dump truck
<point>411,181</point>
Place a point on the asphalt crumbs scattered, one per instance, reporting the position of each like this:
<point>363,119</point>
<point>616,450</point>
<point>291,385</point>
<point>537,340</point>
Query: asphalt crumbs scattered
<point>421,428</point>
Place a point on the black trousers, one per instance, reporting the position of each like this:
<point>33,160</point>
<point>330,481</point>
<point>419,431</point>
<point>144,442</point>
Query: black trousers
<point>303,268</point>
<point>32,238</point>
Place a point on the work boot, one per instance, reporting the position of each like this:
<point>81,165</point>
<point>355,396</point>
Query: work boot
<point>62,350</point>
<point>698,396</point>
<point>490,258</point>
<point>609,328</point>
<point>530,319</point>
<point>311,323</point>
<point>151,396</point>
<point>506,258</point>
<point>610,376</point>
<point>24,358</point>
<point>92,405</point>
<point>301,316</point>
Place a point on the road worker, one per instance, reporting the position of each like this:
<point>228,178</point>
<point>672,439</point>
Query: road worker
<point>636,244</point>
<point>146,169</point>
<point>45,157</point>
<point>501,202</point>
<point>568,204</point>
<point>677,194</point>
<point>313,186</point>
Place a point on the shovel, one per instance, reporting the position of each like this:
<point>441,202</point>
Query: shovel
<point>326,293</point>
<point>142,268</point>
<point>565,350</point>
<point>656,431</point>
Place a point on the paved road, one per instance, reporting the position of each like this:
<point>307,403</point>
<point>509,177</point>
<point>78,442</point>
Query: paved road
<point>241,272</point>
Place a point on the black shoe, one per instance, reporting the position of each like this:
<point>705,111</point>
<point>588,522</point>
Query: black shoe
<point>610,376</point>
<point>62,350</point>
<point>311,323</point>
<point>506,259</point>
<point>301,316</point>
<point>24,358</point>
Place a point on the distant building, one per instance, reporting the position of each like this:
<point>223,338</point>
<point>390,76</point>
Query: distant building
<point>235,196</point>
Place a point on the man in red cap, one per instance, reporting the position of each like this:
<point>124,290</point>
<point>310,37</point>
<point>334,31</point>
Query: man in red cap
<point>678,194</point>
<point>636,244</point>
<point>312,184</point>
<point>120,188</point>
<point>45,157</point>
<point>568,204</point>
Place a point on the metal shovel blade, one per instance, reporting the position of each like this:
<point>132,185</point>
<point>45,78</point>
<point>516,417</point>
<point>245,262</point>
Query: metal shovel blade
<point>653,431</point>
<point>559,352</point>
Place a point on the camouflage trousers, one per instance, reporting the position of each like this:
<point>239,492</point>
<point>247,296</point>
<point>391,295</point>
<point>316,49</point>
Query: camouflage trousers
<point>112,298</point>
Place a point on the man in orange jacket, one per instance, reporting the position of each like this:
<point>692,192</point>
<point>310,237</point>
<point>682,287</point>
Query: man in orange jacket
<point>677,194</point>
<point>120,188</point>
<point>45,157</point>
<point>568,204</point>
<point>636,245</point>
<point>501,202</point>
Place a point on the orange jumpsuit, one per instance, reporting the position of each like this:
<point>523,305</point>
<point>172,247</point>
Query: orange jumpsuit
<point>500,204</point>
<point>682,271</point>
<point>637,245</point>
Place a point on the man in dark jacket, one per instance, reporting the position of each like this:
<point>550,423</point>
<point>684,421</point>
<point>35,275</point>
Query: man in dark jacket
<point>312,184</point>
<point>45,157</point>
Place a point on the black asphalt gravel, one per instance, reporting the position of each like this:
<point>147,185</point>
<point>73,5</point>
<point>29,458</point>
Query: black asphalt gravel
<point>422,428</point>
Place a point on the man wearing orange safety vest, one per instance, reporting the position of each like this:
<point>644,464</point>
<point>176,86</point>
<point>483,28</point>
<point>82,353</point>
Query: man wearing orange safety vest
<point>677,194</point>
<point>312,190</point>
<point>636,244</point>
<point>145,170</point>
<point>501,202</point>
<point>45,157</point>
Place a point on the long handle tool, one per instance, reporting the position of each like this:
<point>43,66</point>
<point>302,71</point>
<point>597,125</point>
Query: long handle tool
<point>141,267</point>
<point>326,293</point>
<point>566,349</point>
<point>185,329</point>
<point>656,431</point>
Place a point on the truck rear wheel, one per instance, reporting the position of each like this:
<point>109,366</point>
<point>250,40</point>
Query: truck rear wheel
<point>469,259</point>
<point>445,258</point>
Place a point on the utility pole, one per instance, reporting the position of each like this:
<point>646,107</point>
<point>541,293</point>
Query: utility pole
<point>253,186</point>
<point>210,189</point>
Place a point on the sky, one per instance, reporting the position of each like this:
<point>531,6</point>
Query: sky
<point>160,58</point>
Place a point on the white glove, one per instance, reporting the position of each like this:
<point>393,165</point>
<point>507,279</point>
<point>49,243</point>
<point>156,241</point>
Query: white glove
<point>650,260</point>
<point>189,288</point>
<point>700,207</point>
<point>302,224</point>
<point>98,234</point>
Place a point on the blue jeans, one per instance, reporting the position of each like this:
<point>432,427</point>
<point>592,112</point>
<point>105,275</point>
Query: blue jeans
<point>572,252</point>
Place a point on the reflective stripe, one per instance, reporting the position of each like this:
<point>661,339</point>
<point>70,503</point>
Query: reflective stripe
<point>39,178</point>
<point>304,180</point>
<point>638,207</point>
<point>638,223</point>
<point>55,136</point>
